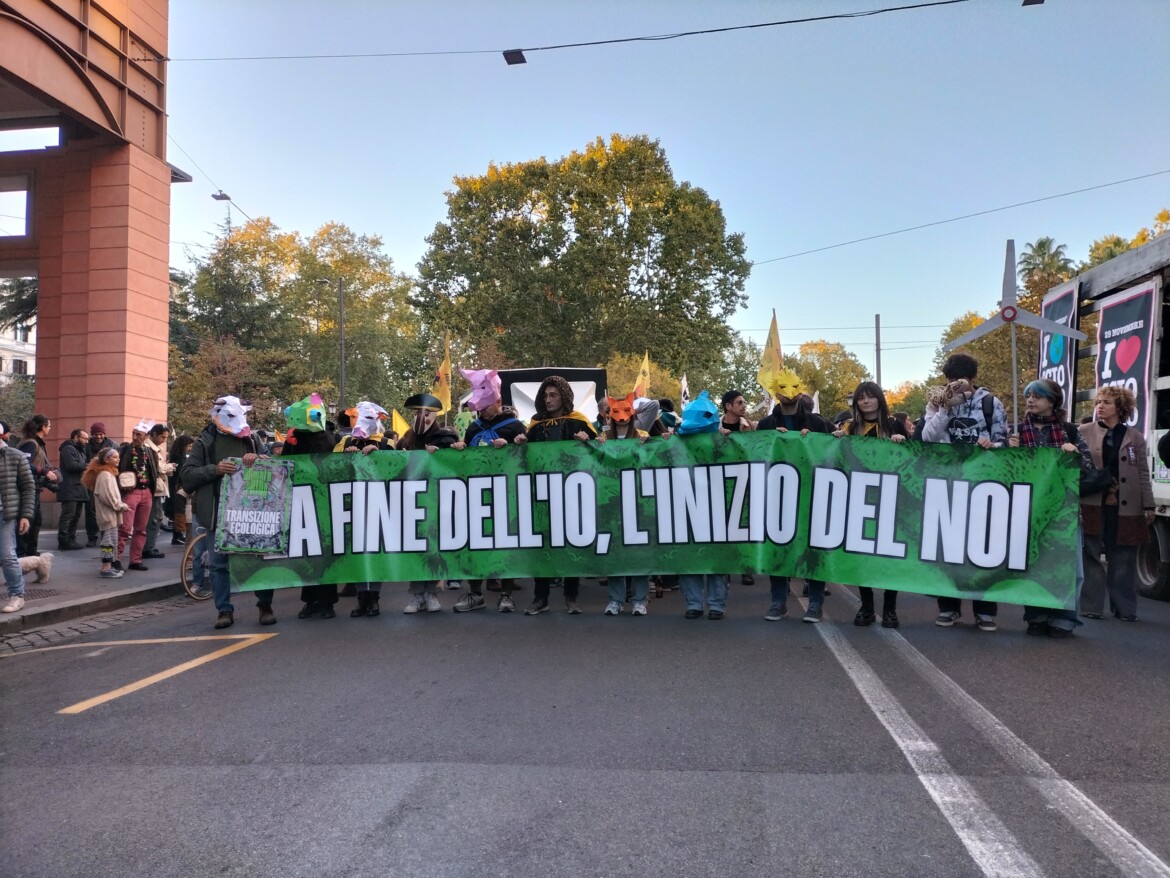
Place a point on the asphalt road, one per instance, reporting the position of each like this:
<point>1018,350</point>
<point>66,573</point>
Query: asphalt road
<point>484,744</point>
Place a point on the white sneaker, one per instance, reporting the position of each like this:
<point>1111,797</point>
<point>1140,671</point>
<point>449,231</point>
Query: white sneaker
<point>417,602</point>
<point>14,604</point>
<point>613,608</point>
<point>639,608</point>
<point>431,602</point>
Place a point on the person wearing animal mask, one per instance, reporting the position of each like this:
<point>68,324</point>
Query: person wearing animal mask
<point>701,416</point>
<point>365,437</point>
<point>556,421</point>
<point>635,589</point>
<point>425,434</point>
<point>793,414</point>
<point>226,436</point>
<point>495,427</point>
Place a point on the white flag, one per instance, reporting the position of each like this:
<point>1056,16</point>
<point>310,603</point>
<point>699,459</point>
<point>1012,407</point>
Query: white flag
<point>684,391</point>
<point>817,402</point>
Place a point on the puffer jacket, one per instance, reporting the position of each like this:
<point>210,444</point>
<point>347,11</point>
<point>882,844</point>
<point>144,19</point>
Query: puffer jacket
<point>17,490</point>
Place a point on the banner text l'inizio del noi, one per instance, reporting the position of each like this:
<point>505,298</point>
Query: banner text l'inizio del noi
<point>935,519</point>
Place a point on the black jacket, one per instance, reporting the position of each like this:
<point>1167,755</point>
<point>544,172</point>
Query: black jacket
<point>73,463</point>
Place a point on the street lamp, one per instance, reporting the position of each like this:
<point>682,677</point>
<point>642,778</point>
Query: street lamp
<point>340,340</point>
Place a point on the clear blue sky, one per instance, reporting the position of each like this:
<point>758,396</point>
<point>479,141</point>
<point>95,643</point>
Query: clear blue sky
<point>808,135</point>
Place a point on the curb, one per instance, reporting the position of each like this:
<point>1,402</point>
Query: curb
<point>60,611</point>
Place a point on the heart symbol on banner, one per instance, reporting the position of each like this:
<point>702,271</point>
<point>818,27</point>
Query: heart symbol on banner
<point>1127,352</point>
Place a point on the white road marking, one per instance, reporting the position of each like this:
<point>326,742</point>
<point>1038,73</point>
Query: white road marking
<point>990,843</point>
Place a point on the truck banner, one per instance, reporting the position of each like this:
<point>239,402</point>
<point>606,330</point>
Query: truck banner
<point>939,519</point>
<point>1058,352</point>
<point>254,507</point>
<point>1124,340</point>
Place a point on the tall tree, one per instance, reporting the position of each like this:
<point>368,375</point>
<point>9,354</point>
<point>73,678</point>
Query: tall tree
<point>597,253</point>
<point>18,302</point>
<point>828,369</point>
<point>1042,265</point>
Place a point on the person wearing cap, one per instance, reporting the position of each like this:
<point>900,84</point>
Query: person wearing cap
<point>137,475</point>
<point>97,441</point>
<point>201,472</point>
<point>425,433</point>
<point>17,499</point>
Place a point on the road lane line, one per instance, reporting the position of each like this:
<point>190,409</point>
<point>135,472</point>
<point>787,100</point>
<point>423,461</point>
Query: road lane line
<point>990,843</point>
<point>143,642</point>
<point>248,640</point>
<point>1124,850</point>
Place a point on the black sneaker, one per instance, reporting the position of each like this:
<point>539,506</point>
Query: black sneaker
<point>536,608</point>
<point>693,614</point>
<point>890,619</point>
<point>153,553</point>
<point>864,617</point>
<point>813,613</point>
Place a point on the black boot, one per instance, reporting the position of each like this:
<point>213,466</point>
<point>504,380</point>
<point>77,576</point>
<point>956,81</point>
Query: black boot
<point>363,605</point>
<point>373,611</point>
<point>327,611</point>
<point>310,608</point>
<point>266,614</point>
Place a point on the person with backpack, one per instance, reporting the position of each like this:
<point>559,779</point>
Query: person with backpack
<point>962,413</point>
<point>494,426</point>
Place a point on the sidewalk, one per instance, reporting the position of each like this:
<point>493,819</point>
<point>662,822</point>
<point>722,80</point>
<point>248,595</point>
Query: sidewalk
<point>74,588</point>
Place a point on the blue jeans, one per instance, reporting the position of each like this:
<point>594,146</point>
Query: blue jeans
<point>639,586</point>
<point>221,583</point>
<point>8,559</point>
<point>696,586</point>
<point>816,590</point>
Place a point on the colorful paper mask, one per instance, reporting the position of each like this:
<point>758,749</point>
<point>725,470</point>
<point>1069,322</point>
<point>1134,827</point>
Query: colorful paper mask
<point>485,387</point>
<point>143,426</point>
<point>230,416</point>
<point>621,410</point>
<point>787,385</point>
<point>308,415</point>
<point>699,416</point>
<point>366,419</point>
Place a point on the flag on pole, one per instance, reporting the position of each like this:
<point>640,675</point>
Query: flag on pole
<point>441,386</point>
<point>684,391</point>
<point>771,360</point>
<point>817,402</point>
<point>399,424</point>
<point>642,386</point>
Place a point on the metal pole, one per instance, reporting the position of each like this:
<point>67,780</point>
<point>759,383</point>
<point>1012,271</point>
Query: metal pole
<point>1015,384</point>
<point>341,343</point>
<point>877,334</point>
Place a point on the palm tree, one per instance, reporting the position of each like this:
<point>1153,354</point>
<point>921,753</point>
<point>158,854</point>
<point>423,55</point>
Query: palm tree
<point>1041,266</point>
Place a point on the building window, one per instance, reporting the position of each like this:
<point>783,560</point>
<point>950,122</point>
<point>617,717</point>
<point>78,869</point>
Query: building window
<point>19,367</point>
<point>21,332</point>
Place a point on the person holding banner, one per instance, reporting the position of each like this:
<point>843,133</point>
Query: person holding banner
<point>556,421</point>
<point>870,416</point>
<point>425,433</point>
<point>701,416</point>
<point>1117,519</point>
<point>1045,426</point>
<point>962,413</point>
<point>636,589</point>
<point>227,436</point>
<point>493,427</point>
<point>365,437</point>
<point>792,413</point>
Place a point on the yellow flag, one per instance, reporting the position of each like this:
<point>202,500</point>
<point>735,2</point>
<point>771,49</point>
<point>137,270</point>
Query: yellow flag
<point>771,362</point>
<point>642,386</point>
<point>399,424</point>
<point>441,386</point>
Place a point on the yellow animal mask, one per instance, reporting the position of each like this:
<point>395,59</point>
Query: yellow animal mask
<point>787,385</point>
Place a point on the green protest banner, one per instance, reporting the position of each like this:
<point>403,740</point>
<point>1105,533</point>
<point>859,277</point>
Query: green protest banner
<point>937,519</point>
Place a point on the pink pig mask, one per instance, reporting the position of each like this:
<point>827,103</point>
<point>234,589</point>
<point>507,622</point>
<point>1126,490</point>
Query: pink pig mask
<point>485,387</point>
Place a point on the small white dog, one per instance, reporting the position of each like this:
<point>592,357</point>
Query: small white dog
<point>42,564</point>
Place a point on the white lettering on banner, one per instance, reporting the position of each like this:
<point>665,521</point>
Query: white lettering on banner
<point>452,514</point>
<point>529,538</point>
<point>580,509</point>
<point>251,521</point>
<point>338,514</point>
<point>631,536</point>
<point>1106,356</point>
<point>841,513</point>
<point>984,525</point>
<point>412,516</point>
<point>1056,373</point>
<point>304,535</point>
<point>383,528</point>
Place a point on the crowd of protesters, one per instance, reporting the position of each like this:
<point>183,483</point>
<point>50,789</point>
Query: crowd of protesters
<point>126,494</point>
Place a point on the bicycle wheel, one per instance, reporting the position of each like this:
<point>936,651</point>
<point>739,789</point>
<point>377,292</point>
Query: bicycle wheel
<point>196,547</point>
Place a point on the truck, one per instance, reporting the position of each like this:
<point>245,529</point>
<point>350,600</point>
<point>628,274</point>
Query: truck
<point>1141,276</point>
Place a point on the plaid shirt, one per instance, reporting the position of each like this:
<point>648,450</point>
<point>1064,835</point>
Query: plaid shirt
<point>1042,433</point>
